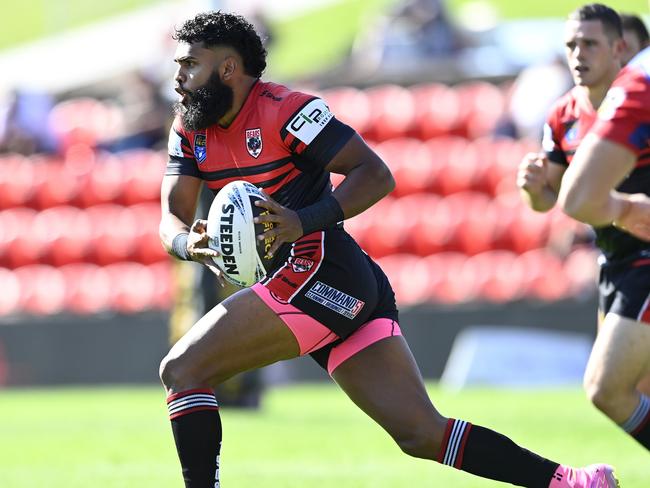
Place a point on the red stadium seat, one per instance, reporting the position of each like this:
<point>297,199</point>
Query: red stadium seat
<point>452,283</point>
<point>499,275</point>
<point>42,289</point>
<point>133,287</point>
<point>88,288</point>
<point>581,271</point>
<point>435,226</point>
<point>374,239</point>
<point>143,175</point>
<point>392,112</point>
<point>148,248</point>
<point>56,185</point>
<point>163,284</point>
<point>410,280</point>
<point>437,111</point>
<point>85,121</point>
<point>104,183</point>
<point>114,233</point>
<point>65,234</point>
<point>17,176</point>
<point>349,105</point>
<point>483,105</point>
<point>545,276</point>
<point>11,292</point>
<point>17,244</point>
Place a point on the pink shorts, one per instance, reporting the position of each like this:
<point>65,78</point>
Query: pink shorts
<point>312,335</point>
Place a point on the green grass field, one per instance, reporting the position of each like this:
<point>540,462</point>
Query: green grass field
<point>304,436</point>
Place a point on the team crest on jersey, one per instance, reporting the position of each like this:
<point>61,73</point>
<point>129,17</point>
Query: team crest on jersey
<point>572,133</point>
<point>254,142</point>
<point>300,265</point>
<point>200,148</point>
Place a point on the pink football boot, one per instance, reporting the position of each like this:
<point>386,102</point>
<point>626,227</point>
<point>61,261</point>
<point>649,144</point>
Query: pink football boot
<point>593,476</point>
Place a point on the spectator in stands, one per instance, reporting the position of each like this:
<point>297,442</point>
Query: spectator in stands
<point>635,34</point>
<point>23,122</point>
<point>416,31</point>
<point>145,114</point>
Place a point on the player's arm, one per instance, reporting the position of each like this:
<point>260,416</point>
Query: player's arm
<point>588,188</point>
<point>538,180</point>
<point>367,178</point>
<point>178,200</point>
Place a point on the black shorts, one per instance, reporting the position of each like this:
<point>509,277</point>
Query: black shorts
<point>329,278</point>
<point>624,288</point>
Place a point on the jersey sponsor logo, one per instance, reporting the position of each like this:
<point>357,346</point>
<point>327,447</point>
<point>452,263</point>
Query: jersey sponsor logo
<point>254,142</point>
<point>310,121</point>
<point>335,300</point>
<point>614,99</point>
<point>301,265</point>
<point>174,147</point>
<point>547,140</point>
<point>200,148</point>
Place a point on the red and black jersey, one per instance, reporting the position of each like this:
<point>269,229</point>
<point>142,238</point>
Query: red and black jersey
<point>281,140</point>
<point>570,119</point>
<point>573,116</point>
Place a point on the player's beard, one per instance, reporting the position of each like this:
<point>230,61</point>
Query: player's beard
<point>206,105</point>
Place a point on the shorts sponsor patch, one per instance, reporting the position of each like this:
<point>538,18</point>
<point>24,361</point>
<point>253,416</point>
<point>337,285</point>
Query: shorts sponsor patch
<point>335,300</point>
<point>311,119</point>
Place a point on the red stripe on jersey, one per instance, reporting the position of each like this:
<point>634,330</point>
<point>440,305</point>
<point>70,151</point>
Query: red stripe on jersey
<point>641,262</point>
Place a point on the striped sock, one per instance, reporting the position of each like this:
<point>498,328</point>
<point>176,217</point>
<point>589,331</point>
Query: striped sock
<point>488,454</point>
<point>638,425</point>
<point>196,424</point>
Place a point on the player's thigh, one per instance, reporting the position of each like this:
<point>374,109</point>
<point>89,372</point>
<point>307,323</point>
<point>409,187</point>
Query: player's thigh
<point>385,382</point>
<point>620,357</point>
<point>239,334</point>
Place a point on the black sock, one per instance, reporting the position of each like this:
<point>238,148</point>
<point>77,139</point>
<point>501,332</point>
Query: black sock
<point>638,425</point>
<point>488,454</point>
<point>196,424</point>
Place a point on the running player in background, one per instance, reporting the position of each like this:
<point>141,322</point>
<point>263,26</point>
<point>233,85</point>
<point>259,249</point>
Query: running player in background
<point>231,125</point>
<point>594,47</point>
<point>635,35</point>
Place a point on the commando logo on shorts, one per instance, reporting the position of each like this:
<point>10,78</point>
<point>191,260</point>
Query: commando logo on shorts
<point>335,300</point>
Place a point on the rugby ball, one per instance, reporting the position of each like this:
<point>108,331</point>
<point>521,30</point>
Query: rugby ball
<point>233,233</point>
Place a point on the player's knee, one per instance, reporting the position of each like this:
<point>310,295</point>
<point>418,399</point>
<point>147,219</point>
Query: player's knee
<point>173,373</point>
<point>599,394</point>
<point>421,442</point>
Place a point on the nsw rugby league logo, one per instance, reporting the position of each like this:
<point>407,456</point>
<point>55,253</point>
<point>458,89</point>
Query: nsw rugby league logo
<point>200,148</point>
<point>254,142</point>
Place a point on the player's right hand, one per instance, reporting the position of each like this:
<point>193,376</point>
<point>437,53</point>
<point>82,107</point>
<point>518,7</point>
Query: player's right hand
<point>531,174</point>
<point>636,218</point>
<point>199,251</point>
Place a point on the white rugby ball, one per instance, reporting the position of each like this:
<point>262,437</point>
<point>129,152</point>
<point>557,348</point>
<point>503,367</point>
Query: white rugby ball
<point>233,233</point>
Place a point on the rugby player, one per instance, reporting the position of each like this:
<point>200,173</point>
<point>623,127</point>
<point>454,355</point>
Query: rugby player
<point>323,296</point>
<point>618,362</point>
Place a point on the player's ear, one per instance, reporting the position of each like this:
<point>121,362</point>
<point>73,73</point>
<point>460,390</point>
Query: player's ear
<point>228,67</point>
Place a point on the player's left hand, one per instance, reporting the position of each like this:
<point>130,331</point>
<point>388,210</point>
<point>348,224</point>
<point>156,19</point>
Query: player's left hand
<point>287,228</point>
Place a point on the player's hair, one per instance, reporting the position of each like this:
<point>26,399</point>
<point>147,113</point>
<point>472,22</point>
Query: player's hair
<point>608,17</point>
<point>219,28</point>
<point>631,22</point>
